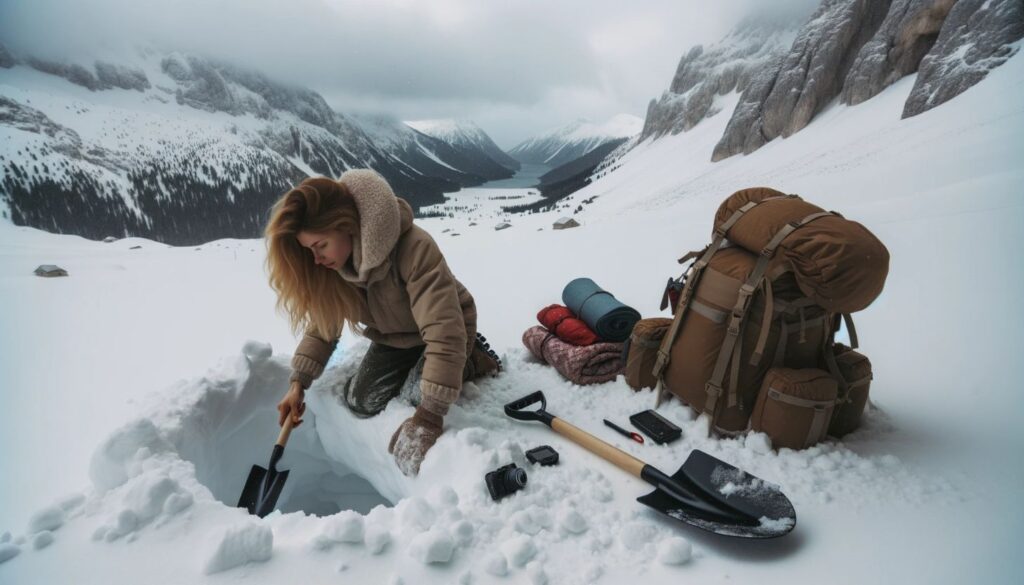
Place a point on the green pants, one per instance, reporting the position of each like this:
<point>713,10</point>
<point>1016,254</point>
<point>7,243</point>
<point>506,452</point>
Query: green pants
<point>382,374</point>
<point>380,378</point>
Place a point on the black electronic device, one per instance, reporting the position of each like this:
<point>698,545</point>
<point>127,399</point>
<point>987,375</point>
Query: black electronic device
<point>505,481</point>
<point>544,455</point>
<point>656,426</point>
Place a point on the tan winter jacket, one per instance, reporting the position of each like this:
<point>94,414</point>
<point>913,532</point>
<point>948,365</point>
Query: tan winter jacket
<point>409,296</point>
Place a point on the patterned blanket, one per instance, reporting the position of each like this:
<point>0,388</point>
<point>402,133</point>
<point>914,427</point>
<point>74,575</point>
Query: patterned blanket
<point>591,364</point>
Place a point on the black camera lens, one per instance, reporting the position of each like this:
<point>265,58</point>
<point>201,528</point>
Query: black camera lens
<point>514,479</point>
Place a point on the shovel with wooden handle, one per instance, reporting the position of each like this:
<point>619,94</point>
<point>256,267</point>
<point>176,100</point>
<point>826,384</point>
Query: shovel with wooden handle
<point>264,486</point>
<point>706,492</point>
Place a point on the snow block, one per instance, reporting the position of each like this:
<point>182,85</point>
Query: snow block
<point>251,542</point>
<point>433,546</point>
<point>117,459</point>
<point>346,526</point>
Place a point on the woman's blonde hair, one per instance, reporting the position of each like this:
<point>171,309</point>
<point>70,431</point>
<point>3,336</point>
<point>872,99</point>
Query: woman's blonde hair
<point>316,300</point>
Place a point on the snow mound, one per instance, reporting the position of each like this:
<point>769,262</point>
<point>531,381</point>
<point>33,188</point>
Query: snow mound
<point>250,542</point>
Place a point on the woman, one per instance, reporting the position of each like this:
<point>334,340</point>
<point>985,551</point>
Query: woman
<point>347,251</point>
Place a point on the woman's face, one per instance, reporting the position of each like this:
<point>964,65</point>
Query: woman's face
<point>330,249</point>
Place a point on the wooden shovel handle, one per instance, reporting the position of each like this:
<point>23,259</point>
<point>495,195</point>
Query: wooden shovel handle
<point>623,460</point>
<point>286,429</point>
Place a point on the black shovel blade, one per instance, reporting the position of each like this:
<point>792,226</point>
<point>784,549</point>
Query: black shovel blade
<point>723,499</point>
<point>262,488</point>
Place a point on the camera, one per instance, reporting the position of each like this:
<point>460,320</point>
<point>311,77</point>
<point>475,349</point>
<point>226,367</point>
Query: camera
<point>505,481</point>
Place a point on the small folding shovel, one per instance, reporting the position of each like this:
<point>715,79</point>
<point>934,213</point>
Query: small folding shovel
<point>706,492</point>
<point>264,486</point>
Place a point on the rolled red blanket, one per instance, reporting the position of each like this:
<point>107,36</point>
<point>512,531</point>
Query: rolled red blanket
<point>559,320</point>
<point>591,364</point>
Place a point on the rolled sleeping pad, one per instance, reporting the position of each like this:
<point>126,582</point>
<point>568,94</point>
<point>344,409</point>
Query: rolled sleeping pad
<point>600,310</point>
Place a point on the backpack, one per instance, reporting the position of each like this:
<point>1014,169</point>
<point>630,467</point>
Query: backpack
<point>768,292</point>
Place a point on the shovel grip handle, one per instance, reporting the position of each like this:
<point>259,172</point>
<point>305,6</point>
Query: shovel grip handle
<point>619,458</point>
<point>286,430</point>
<point>515,408</point>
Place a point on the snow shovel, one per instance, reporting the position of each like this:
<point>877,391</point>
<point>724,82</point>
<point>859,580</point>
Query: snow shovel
<point>706,492</point>
<point>264,486</point>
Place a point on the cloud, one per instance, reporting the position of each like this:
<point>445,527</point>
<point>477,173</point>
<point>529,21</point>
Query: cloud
<point>516,68</point>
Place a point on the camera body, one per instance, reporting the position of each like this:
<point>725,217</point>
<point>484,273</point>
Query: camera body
<point>505,481</point>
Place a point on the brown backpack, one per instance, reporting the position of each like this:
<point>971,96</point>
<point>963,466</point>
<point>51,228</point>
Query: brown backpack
<point>767,292</point>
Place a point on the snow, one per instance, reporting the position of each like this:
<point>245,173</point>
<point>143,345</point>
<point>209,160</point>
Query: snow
<point>142,389</point>
<point>247,542</point>
<point>675,551</point>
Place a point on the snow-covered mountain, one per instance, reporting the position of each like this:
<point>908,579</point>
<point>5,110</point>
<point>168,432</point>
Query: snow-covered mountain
<point>789,67</point>
<point>567,143</point>
<point>183,149</point>
<point>703,75</point>
<point>469,147</point>
<point>852,49</point>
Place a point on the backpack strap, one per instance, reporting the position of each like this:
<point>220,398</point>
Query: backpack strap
<point>713,387</point>
<point>691,285</point>
<point>684,299</point>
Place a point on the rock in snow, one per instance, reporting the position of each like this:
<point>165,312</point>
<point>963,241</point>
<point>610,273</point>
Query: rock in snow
<point>250,542</point>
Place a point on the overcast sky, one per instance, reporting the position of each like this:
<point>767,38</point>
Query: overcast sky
<point>516,68</point>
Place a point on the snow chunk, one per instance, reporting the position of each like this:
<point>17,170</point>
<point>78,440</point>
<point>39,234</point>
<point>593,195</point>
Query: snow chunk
<point>50,518</point>
<point>463,532</point>
<point>8,551</point>
<point>675,551</point>
<point>118,459</point>
<point>519,550</point>
<point>376,538</point>
<point>758,443</point>
<point>415,513</point>
<point>572,521</point>
<point>346,526</point>
<point>433,546</point>
<point>6,537</point>
<point>444,497</point>
<point>239,545</point>
<point>257,352</point>
<point>42,540</point>
<point>495,564</point>
<point>536,572</point>
<point>635,535</point>
<point>530,521</point>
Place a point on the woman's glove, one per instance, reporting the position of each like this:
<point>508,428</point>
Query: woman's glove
<point>417,435</point>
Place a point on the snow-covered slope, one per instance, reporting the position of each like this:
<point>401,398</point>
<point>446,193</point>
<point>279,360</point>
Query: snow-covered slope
<point>115,488</point>
<point>470,147</point>
<point>567,143</point>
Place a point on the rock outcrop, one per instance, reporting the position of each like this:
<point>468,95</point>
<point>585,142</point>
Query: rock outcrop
<point>724,67</point>
<point>905,37</point>
<point>786,96</point>
<point>976,37</point>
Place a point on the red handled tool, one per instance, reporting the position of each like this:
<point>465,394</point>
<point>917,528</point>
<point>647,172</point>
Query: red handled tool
<point>635,436</point>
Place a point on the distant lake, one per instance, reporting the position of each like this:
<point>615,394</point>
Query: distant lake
<point>528,176</point>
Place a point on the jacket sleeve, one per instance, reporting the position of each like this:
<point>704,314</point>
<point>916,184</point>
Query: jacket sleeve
<point>434,299</point>
<point>310,358</point>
